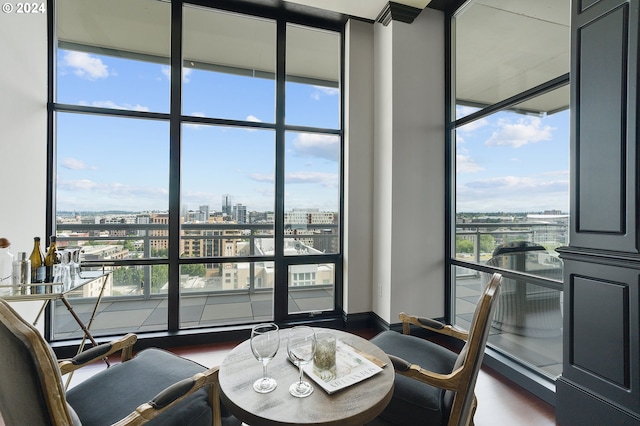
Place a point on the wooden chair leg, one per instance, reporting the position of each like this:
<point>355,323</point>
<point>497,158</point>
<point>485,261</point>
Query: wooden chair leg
<point>472,414</point>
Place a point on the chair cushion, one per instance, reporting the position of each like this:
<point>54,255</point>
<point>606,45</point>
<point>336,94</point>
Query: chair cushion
<point>116,391</point>
<point>415,402</point>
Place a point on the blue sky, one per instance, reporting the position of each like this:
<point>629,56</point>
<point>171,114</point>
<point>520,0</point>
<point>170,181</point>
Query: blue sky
<point>119,163</point>
<point>513,163</point>
<point>506,162</point>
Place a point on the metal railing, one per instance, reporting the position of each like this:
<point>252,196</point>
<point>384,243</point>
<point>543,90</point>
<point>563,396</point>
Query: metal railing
<point>145,245</point>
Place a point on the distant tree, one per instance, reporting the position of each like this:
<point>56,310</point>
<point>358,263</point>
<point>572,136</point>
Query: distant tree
<point>463,245</point>
<point>159,252</point>
<point>193,270</point>
<point>127,276</point>
<point>159,277</point>
<point>487,243</point>
<point>128,245</point>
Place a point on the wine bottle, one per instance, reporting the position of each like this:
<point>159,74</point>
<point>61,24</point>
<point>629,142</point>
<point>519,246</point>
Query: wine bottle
<point>38,272</point>
<point>50,260</point>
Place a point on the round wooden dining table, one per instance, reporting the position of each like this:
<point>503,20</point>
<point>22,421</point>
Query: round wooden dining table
<point>356,404</point>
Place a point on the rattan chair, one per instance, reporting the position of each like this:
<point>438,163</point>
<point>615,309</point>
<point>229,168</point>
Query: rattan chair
<point>435,385</point>
<point>155,386</point>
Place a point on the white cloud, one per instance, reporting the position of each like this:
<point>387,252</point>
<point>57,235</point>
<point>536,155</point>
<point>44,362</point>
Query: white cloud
<point>259,177</point>
<point>324,91</point>
<point>192,125</point>
<point>324,179</point>
<point>463,111</point>
<point>464,164</point>
<point>253,119</point>
<point>304,177</point>
<point>472,126</point>
<point>74,164</point>
<point>316,145</point>
<point>114,190</point>
<point>524,131</point>
<point>85,65</point>
<point>77,185</point>
<point>113,105</point>
<point>186,73</point>
<point>515,194</point>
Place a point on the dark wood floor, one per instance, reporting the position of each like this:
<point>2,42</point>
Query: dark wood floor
<point>500,402</point>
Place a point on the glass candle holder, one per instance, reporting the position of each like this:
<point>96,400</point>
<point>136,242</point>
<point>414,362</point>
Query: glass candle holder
<point>324,360</point>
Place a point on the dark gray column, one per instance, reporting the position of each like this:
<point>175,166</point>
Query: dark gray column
<point>600,382</point>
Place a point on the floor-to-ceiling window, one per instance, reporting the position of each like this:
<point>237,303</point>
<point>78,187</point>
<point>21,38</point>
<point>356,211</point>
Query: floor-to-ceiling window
<point>198,161</point>
<point>510,191</point>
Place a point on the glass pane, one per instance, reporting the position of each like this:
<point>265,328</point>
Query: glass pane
<point>229,239</point>
<point>311,288</point>
<point>313,77</point>
<point>312,193</point>
<point>512,191</point>
<point>121,309</point>
<point>112,181</point>
<point>527,245</point>
<point>236,168</point>
<point>512,203</point>
<point>506,48</point>
<point>229,64</point>
<point>109,63</point>
<point>527,321</point>
<point>226,293</point>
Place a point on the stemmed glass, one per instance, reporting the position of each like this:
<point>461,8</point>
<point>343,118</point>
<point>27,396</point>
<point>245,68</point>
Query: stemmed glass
<point>301,346</point>
<point>265,341</point>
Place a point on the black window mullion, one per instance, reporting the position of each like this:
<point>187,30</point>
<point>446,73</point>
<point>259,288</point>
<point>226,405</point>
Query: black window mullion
<point>280,271</point>
<point>50,227</point>
<point>174,167</point>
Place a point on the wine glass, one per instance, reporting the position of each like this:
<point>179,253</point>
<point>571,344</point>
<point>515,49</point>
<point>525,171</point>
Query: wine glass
<point>265,341</point>
<point>301,346</point>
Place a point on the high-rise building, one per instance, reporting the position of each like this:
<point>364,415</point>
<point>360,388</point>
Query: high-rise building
<point>203,214</point>
<point>240,213</point>
<point>227,204</point>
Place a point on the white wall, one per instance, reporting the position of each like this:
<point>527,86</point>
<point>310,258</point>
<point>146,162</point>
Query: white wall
<point>23,133</point>
<point>383,170</point>
<point>358,197</point>
<point>23,130</point>
<point>409,175</point>
<point>419,166</point>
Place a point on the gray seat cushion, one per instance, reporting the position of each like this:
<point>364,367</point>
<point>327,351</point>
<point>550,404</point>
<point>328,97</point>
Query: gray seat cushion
<point>116,391</point>
<point>415,402</point>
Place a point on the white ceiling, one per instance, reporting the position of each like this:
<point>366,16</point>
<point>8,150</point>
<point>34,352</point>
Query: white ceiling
<point>369,9</point>
<point>503,47</point>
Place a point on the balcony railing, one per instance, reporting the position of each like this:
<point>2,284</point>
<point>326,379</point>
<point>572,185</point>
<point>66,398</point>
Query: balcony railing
<point>486,238</point>
<point>143,247</point>
<point>528,320</point>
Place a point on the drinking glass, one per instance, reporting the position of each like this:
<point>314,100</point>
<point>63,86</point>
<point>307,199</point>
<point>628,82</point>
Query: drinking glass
<point>61,269</point>
<point>301,346</point>
<point>74,266</point>
<point>265,341</point>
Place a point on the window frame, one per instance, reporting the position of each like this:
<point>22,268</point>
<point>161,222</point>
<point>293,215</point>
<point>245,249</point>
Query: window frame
<point>506,364</point>
<point>175,119</point>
